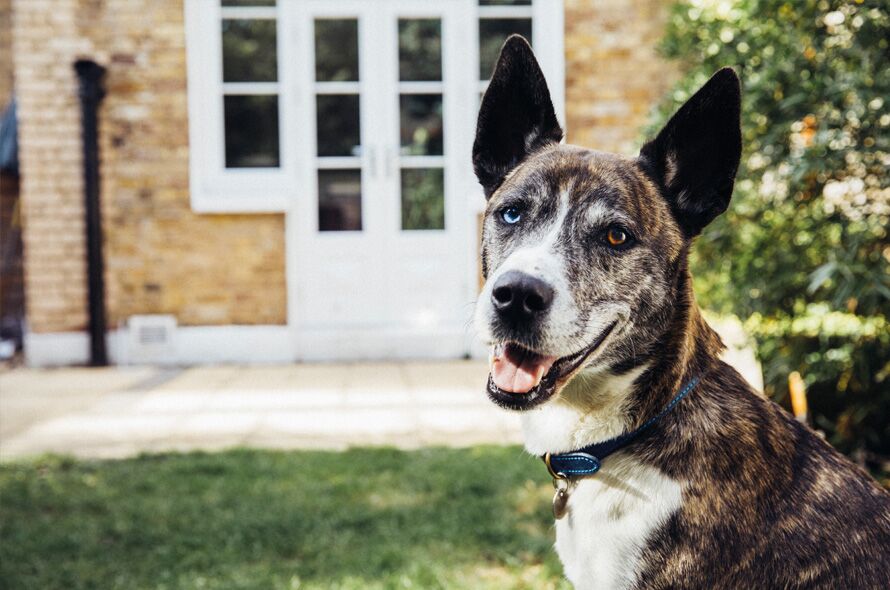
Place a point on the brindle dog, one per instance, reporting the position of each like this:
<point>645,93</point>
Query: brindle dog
<point>588,306</point>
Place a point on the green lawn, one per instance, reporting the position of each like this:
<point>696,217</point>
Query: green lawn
<point>365,518</point>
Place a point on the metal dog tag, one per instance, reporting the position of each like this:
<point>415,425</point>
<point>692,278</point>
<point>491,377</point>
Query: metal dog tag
<point>560,497</point>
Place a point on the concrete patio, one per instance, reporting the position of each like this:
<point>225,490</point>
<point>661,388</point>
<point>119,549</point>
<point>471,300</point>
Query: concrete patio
<point>121,411</point>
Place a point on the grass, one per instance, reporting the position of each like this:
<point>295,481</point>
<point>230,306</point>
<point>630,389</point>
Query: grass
<point>360,519</point>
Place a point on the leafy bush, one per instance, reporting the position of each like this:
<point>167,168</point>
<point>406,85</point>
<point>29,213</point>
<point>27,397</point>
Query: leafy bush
<point>803,252</point>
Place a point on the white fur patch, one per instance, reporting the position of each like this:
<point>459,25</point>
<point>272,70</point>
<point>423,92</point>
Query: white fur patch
<point>588,410</point>
<point>610,517</point>
<point>612,514</point>
<point>539,259</point>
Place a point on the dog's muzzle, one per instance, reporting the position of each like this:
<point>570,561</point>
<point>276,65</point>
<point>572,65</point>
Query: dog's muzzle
<point>521,378</point>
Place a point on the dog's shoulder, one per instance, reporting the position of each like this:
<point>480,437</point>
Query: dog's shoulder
<point>766,501</point>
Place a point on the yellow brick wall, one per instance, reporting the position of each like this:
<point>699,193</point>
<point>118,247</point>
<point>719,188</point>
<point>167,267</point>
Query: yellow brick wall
<point>614,75</point>
<point>160,256</point>
<point>44,44</point>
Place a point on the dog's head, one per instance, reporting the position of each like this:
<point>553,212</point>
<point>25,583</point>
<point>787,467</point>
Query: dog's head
<point>582,250</point>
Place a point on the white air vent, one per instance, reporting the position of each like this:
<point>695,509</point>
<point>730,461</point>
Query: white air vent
<point>149,335</point>
<point>151,339</point>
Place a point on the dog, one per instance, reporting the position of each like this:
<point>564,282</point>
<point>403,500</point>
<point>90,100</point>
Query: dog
<point>671,471</point>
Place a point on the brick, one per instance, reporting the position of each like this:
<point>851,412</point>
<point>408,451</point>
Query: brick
<point>614,75</point>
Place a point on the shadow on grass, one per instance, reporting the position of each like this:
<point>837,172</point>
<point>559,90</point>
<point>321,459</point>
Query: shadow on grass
<point>364,518</point>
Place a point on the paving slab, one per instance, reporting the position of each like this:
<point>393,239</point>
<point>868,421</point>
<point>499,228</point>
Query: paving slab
<point>30,396</point>
<point>120,412</point>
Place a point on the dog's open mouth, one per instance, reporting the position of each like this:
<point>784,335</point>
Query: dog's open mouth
<point>521,378</point>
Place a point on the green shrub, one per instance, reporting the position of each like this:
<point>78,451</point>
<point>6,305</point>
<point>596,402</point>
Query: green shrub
<point>804,251</point>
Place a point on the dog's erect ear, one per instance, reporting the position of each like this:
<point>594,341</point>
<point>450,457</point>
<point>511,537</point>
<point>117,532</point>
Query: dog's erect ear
<point>697,153</point>
<point>516,117</point>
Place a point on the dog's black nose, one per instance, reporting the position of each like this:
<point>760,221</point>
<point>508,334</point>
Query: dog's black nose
<point>519,297</point>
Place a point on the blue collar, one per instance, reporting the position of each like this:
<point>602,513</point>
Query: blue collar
<point>588,460</point>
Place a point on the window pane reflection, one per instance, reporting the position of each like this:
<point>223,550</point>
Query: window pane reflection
<point>423,198</point>
<point>337,124</point>
<point>336,50</point>
<point>421,124</point>
<point>251,131</point>
<point>420,49</point>
<point>339,200</point>
<point>249,51</point>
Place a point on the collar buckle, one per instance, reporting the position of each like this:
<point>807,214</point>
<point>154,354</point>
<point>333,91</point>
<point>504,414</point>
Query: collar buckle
<point>556,476</point>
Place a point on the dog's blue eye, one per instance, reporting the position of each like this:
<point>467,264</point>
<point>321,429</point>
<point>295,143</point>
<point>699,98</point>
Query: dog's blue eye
<point>511,215</point>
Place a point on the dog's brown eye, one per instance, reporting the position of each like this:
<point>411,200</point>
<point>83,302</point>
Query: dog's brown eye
<point>616,236</point>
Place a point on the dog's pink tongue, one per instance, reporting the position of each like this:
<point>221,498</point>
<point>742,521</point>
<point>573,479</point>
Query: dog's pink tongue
<point>517,370</point>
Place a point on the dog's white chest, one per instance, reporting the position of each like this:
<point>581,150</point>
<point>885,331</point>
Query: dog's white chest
<point>610,517</point>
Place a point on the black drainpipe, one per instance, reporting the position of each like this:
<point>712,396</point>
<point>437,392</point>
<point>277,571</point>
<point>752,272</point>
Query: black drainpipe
<point>91,92</point>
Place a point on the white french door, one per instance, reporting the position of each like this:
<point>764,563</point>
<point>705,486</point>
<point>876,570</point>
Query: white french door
<point>381,234</point>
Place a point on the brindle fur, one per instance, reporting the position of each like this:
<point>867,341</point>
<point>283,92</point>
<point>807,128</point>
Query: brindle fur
<point>766,502</point>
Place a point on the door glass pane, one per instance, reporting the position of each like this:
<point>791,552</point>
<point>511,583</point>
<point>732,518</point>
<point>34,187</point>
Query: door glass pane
<point>492,34</point>
<point>423,198</point>
<point>420,49</point>
<point>249,53</point>
<point>338,124</point>
<point>251,130</point>
<point>336,50</point>
<point>339,200</point>
<point>421,124</point>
